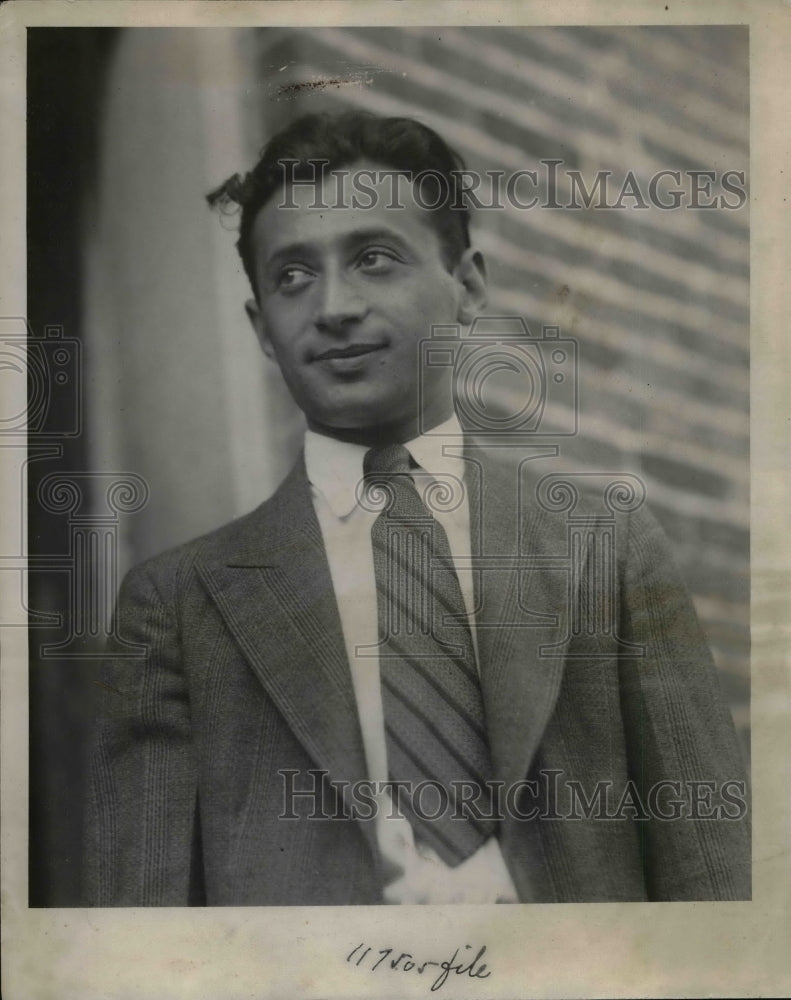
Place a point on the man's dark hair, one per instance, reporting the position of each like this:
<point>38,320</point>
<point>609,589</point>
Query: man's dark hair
<point>401,144</point>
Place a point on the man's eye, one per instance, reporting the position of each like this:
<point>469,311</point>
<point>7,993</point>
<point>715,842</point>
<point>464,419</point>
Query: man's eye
<point>292,278</point>
<point>376,261</point>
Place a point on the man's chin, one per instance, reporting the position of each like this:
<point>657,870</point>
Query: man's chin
<point>365,426</point>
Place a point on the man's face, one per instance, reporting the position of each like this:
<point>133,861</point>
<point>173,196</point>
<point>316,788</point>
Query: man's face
<point>346,295</point>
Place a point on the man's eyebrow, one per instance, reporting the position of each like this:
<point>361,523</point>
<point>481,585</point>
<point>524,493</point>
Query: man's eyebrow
<point>300,249</point>
<point>349,241</point>
<point>373,235</point>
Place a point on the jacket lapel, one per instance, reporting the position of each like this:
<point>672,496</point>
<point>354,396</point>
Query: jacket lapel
<point>518,608</point>
<point>275,594</point>
<point>274,591</point>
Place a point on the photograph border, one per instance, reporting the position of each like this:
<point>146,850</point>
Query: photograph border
<point>635,949</point>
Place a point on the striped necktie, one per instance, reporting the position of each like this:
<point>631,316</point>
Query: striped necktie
<point>433,709</point>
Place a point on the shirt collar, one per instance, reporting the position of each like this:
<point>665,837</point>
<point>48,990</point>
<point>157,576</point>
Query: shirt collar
<point>336,467</point>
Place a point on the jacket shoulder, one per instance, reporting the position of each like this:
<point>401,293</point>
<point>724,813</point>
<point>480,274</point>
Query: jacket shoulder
<point>175,567</point>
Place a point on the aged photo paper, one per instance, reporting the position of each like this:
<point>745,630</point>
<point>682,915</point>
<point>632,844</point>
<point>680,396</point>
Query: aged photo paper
<point>495,325</point>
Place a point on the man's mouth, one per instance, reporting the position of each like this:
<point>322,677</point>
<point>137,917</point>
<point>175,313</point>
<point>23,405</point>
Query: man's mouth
<point>350,351</point>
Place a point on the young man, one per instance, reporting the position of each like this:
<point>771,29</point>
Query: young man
<point>375,687</point>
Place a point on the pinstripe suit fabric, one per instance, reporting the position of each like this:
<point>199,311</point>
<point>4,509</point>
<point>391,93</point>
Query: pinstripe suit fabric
<point>246,676</point>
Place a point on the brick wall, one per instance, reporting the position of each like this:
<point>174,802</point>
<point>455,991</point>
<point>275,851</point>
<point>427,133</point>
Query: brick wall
<point>657,299</point>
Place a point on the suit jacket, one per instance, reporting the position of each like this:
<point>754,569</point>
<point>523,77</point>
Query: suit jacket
<point>246,677</point>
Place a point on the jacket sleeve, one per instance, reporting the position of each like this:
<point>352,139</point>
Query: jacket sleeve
<point>679,729</point>
<point>142,828</point>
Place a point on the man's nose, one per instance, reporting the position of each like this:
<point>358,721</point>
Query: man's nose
<point>340,303</point>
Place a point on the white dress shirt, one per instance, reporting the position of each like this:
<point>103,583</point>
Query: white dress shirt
<point>335,470</point>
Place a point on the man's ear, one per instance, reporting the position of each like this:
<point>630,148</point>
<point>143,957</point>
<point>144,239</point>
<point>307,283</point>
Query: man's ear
<point>470,272</point>
<point>257,322</point>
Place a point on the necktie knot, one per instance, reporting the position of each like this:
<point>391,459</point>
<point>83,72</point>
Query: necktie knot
<point>390,459</point>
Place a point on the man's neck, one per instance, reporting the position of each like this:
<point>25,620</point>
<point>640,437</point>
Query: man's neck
<point>383,434</point>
